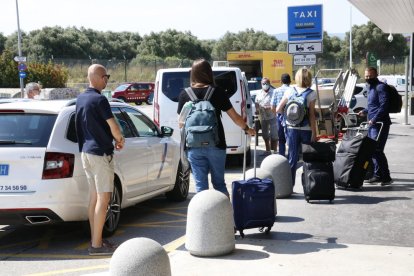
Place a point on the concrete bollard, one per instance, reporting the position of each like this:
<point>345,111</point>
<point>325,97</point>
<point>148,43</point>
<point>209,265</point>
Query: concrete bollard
<point>210,225</point>
<point>260,173</point>
<point>279,168</point>
<point>140,256</point>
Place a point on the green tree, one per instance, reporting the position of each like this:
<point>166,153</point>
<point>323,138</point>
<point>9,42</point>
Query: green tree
<point>8,68</point>
<point>56,42</point>
<point>370,38</point>
<point>2,42</point>
<point>49,74</point>
<point>172,43</point>
<point>247,40</point>
<point>11,42</point>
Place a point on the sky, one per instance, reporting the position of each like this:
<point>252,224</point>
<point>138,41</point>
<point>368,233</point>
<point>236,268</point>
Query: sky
<point>204,19</point>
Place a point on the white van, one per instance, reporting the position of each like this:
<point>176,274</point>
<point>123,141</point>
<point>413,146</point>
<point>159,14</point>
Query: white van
<point>398,81</point>
<point>170,82</point>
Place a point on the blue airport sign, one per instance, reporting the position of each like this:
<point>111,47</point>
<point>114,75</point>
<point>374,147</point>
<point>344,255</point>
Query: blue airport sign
<point>22,74</point>
<point>305,23</point>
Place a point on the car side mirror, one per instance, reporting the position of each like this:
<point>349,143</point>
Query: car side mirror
<point>167,131</point>
<point>365,93</point>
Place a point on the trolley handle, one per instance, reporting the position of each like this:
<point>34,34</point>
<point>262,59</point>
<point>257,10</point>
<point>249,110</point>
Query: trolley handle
<point>365,125</point>
<point>256,118</point>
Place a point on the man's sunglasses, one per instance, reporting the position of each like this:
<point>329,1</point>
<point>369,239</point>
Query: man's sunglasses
<point>108,76</point>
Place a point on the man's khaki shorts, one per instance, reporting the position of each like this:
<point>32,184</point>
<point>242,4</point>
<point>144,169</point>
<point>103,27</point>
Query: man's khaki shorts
<point>99,172</point>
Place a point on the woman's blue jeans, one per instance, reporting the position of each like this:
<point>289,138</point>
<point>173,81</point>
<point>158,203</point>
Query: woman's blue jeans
<point>295,138</point>
<point>208,160</point>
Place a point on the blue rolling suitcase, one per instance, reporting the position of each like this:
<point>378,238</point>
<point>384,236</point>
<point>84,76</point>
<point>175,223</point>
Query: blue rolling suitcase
<point>254,202</point>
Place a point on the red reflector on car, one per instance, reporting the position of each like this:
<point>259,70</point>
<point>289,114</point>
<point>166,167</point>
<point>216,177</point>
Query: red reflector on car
<point>58,165</point>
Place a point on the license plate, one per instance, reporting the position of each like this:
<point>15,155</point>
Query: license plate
<point>4,169</point>
<point>13,188</point>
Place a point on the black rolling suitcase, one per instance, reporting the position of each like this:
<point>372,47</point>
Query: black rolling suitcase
<point>353,158</point>
<point>254,202</point>
<point>317,177</point>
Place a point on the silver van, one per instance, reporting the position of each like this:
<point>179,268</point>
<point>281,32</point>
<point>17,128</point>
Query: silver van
<point>170,82</point>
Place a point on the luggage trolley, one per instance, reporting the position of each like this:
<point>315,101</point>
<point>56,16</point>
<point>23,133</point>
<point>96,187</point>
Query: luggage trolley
<point>332,102</point>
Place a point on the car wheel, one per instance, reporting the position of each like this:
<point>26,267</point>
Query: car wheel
<point>138,103</point>
<point>150,99</point>
<point>181,187</point>
<point>113,213</point>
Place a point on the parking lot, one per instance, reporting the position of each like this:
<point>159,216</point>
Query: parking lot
<point>367,232</point>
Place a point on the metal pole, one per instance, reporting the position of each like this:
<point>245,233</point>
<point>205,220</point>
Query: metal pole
<point>408,77</point>
<point>393,57</point>
<point>407,70</point>
<point>350,37</point>
<point>125,70</point>
<point>125,67</point>
<point>19,45</point>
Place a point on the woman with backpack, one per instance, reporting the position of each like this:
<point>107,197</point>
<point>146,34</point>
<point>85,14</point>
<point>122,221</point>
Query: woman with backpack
<point>298,107</point>
<point>209,158</point>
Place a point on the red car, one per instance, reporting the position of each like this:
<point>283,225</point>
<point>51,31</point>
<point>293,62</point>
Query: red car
<point>136,92</point>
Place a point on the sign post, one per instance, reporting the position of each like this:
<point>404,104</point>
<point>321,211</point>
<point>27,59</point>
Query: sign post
<point>305,33</point>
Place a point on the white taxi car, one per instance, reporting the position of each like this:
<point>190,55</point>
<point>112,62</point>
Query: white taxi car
<point>41,174</point>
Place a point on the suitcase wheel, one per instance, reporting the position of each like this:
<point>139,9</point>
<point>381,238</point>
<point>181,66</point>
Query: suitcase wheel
<point>267,231</point>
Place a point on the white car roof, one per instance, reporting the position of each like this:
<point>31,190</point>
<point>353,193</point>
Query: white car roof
<point>52,107</point>
<point>223,68</point>
<point>44,106</point>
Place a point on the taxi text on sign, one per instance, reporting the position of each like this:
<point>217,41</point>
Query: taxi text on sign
<point>305,23</point>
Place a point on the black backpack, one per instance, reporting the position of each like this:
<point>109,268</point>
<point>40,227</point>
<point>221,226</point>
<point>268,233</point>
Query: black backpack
<point>395,102</point>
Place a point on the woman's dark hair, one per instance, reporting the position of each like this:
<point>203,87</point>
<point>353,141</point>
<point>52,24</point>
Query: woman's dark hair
<point>201,73</point>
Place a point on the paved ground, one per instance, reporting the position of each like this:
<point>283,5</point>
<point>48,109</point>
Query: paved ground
<point>367,232</point>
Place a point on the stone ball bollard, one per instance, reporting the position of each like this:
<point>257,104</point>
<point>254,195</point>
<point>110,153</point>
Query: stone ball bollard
<point>279,168</point>
<point>140,256</point>
<point>210,225</point>
<point>260,173</point>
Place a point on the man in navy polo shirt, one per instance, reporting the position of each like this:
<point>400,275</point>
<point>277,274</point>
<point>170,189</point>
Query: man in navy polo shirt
<point>96,130</point>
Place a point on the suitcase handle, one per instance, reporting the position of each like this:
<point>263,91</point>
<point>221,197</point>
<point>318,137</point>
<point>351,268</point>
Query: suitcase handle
<point>365,125</point>
<point>256,119</point>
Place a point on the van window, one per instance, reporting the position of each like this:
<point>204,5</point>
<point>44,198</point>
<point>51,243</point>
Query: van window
<point>400,81</point>
<point>174,82</point>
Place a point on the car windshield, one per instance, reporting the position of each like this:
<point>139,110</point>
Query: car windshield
<point>122,87</point>
<point>174,82</point>
<point>25,130</point>
<point>254,85</point>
